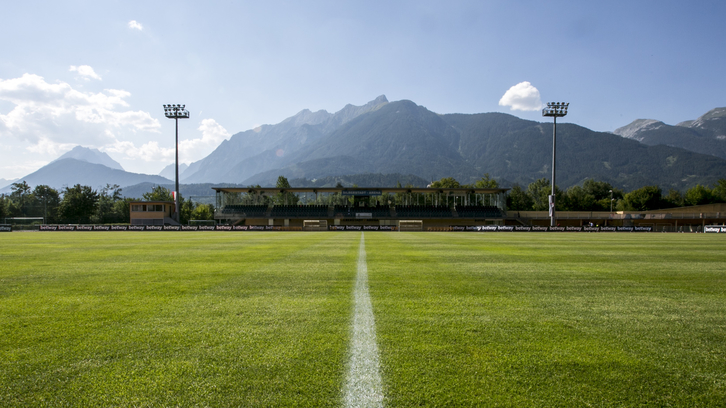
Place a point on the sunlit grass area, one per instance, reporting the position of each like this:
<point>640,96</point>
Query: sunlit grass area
<point>263,319</point>
<point>174,319</point>
<point>550,320</point>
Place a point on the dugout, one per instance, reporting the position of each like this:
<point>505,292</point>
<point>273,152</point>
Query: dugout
<point>354,206</point>
<point>151,213</point>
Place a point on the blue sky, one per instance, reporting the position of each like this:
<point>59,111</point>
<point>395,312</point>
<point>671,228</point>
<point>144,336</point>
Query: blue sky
<point>97,73</point>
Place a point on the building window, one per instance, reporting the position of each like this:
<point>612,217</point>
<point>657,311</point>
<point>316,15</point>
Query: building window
<point>147,207</point>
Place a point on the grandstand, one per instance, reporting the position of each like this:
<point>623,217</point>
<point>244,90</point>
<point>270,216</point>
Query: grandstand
<point>341,206</point>
<point>299,211</point>
<point>479,211</point>
<point>251,211</point>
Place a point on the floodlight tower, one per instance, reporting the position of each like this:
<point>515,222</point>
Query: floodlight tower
<point>555,110</point>
<point>176,112</point>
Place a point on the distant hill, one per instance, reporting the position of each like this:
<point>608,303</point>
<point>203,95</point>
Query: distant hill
<point>69,172</point>
<point>706,135</point>
<point>170,171</point>
<point>200,193</point>
<point>6,183</point>
<point>401,137</point>
<point>267,147</point>
<point>362,180</point>
<point>510,148</point>
<point>94,156</point>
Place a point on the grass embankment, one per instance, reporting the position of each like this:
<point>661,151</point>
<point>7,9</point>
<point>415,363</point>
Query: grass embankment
<point>174,319</point>
<point>550,320</point>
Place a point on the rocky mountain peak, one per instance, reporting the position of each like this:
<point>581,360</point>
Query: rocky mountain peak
<point>93,156</point>
<point>713,114</point>
<point>638,126</point>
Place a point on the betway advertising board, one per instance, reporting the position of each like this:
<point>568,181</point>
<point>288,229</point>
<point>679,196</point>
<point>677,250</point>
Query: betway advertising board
<point>714,229</point>
<point>461,228</point>
<point>527,228</point>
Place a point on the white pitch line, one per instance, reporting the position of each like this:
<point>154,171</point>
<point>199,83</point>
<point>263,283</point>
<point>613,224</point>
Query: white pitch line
<point>363,386</point>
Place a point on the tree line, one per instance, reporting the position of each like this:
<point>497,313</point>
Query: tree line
<point>602,196</point>
<point>595,195</point>
<point>84,205</point>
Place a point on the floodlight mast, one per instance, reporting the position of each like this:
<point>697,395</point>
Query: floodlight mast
<point>176,112</point>
<point>554,110</point>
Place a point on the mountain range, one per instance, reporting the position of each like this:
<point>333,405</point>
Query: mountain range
<point>269,146</point>
<point>402,137</point>
<point>85,166</point>
<point>706,135</point>
<point>382,139</point>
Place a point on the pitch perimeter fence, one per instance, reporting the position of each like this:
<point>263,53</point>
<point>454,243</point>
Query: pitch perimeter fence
<point>452,228</point>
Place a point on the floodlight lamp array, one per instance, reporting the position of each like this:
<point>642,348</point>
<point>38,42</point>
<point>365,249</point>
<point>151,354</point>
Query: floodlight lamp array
<point>556,109</point>
<point>175,111</point>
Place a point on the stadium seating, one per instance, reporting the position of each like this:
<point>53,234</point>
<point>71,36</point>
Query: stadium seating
<point>247,211</point>
<point>378,212</point>
<point>299,211</point>
<point>422,211</point>
<point>401,211</point>
<point>382,211</point>
<point>479,211</point>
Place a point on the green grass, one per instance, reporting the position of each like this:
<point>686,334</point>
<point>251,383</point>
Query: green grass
<point>262,319</point>
<point>550,320</point>
<point>174,319</point>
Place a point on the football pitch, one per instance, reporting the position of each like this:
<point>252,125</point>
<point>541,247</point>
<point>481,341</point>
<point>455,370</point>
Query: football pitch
<point>152,319</point>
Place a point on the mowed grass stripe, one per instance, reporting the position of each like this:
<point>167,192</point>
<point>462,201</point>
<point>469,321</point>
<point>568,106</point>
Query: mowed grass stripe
<point>363,386</point>
<point>207,319</point>
<point>548,320</point>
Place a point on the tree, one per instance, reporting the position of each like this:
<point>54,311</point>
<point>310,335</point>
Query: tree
<point>538,192</point>
<point>3,207</point>
<point>203,212</point>
<point>105,207</point>
<point>600,190</point>
<point>160,193</point>
<point>643,199</point>
<point>698,195</point>
<point>20,189</point>
<point>719,191</point>
<point>122,208</point>
<point>486,182</point>
<point>20,199</point>
<point>674,198</point>
<point>48,200</point>
<point>577,199</point>
<point>446,182</point>
<point>286,197</point>
<point>518,199</point>
<point>78,204</point>
<point>186,207</point>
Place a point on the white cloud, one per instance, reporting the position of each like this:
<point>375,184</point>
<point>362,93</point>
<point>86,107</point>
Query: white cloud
<point>148,152</point>
<point>51,117</point>
<point>522,96</point>
<point>86,72</point>
<point>189,149</point>
<point>48,147</point>
<point>48,119</point>
<point>212,135</point>
<point>135,25</point>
